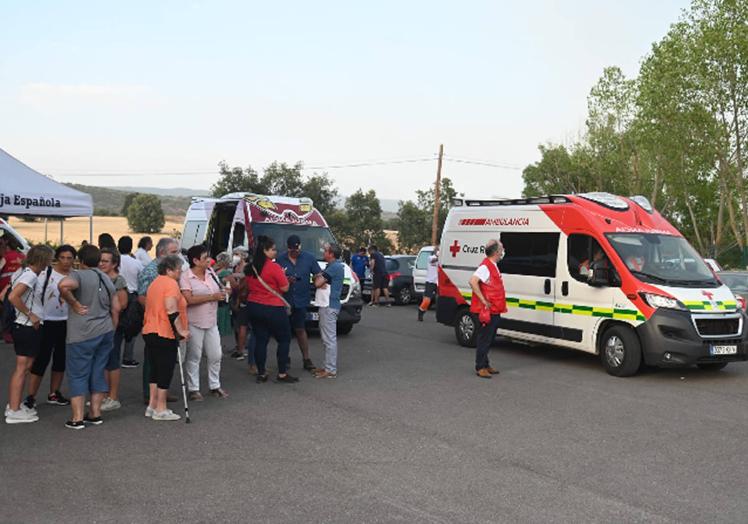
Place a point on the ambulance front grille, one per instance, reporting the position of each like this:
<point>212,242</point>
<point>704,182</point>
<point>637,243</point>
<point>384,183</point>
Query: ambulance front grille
<point>719,326</point>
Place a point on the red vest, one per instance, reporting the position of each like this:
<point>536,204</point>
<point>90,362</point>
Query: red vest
<point>493,291</point>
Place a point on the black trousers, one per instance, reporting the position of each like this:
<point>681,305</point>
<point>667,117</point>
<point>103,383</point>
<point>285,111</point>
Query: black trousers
<point>162,356</point>
<point>486,335</point>
<point>52,347</point>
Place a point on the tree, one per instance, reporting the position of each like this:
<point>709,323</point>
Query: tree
<point>129,197</point>
<point>145,214</point>
<point>415,219</point>
<point>281,179</point>
<point>237,180</point>
<point>323,193</point>
<point>363,222</point>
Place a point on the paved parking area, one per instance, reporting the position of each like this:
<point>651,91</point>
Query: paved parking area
<point>405,434</point>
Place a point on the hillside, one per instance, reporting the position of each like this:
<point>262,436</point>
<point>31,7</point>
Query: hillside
<point>109,201</point>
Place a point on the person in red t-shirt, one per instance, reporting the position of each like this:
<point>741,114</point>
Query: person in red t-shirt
<point>10,259</point>
<point>267,309</point>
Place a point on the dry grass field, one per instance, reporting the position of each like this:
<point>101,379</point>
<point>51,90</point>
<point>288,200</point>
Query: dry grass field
<point>76,229</point>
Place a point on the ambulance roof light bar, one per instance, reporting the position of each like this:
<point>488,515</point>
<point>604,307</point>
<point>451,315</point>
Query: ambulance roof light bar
<point>643,203</point>
<point>606,199</point>
<point>550,199</point>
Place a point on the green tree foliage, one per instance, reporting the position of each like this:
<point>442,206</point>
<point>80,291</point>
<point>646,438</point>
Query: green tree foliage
<point>145,214</point>
<point>675,133</point>
<point>415,218</point>
<point>237,180</point>
<point>360,223</point>
<point>126,204</point>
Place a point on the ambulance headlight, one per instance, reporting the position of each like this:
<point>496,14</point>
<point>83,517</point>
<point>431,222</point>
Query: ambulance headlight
<point>661,301</point>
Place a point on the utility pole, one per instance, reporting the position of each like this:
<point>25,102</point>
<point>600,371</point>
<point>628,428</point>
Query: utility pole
<point>437,196</point>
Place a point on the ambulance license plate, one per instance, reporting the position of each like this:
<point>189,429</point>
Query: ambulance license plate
<point>314,317</point>
<point>724,350</point>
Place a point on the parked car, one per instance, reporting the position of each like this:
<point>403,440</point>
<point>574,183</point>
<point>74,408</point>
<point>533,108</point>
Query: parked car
<point>421,269</point>
<point>400,272</point>
<point>737,281</point>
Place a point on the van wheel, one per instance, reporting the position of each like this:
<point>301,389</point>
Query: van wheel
<point>620,351</point>
<point>466,328</point>
<point>712,366</point>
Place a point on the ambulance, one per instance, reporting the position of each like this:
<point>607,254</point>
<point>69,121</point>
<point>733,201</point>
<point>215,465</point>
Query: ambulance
<point>594,272</point>
<point>237,219</point>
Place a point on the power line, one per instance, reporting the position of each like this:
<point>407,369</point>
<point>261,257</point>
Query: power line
<point>485,163</point>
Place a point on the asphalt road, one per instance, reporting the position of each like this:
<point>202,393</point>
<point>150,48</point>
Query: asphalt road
<point>407,433</point>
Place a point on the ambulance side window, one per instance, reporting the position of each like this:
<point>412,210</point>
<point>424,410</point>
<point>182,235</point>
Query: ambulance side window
<point>581,249</point>
<point>532,254</point>
<point>238,237</point>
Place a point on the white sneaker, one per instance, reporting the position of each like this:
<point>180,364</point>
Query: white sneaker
<point>24,408</point>
<point>19,417</point>
<point>149,412</point>
<point>165,415</point>
<point>110,404</point>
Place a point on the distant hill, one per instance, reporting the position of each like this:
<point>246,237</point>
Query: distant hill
<point>170,191</point>
<point>176,200</point>
<point>109,201</point>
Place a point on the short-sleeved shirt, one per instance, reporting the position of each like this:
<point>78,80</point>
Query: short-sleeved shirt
<point>274,277</point>
<point>32,297</point>
<point>130,268</point>
<point>142,256</point>
<point>205,315</point>
<point>305,267</point>
<point>95,291</point>
<point>334,274</point>
<point>432,271</point>
<point>483,274</point>
<point>53,310</point>
<point>380,267</point>
<point>148,275</point>
<point>359,263</point>
<point>156,319</point>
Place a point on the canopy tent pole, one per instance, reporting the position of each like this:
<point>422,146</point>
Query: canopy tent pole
<point>62,230</point>
<point>90,229</point>
<point>46,224</point>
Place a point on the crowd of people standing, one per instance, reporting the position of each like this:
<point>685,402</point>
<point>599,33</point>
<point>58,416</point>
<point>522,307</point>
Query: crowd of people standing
<point>82,310</point>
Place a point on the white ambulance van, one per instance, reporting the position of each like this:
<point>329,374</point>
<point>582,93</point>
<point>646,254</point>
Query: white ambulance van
<point>196,221</point>
<point>594,272</point>
<point>237,219</point>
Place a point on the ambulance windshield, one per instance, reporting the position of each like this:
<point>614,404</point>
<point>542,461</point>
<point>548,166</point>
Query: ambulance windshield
<point>313,239</point>
<point>662,259</point>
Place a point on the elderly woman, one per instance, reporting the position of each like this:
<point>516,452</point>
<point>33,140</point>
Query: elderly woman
<point>165,322</point>
<point>203,292</point>
<point>109,265</point>
<point>26,296</point>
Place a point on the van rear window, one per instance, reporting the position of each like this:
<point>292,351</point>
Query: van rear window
<point>531,254</point>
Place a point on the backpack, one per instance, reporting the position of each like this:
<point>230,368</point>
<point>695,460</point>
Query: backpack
<point>131,319</point>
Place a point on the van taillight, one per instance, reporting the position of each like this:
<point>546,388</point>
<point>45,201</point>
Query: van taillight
<point>393,276</point>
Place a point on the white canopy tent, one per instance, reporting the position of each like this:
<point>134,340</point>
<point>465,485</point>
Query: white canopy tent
<point>25,192</point>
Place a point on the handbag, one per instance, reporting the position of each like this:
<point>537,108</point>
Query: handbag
<point>273,292</point>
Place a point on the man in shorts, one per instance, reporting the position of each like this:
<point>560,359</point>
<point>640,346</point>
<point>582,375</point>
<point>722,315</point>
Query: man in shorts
<point>300,267</point>
<point>380,280</point>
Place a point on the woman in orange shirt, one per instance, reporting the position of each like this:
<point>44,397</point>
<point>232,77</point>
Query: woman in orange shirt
<point>165,322</point>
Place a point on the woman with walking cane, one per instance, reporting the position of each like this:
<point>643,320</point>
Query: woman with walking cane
<point>165,322</point>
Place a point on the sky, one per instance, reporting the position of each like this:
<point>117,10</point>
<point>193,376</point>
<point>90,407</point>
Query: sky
<point>157,93</point>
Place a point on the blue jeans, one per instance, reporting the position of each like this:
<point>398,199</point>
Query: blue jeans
<point>270,321</point>
<point>250,347</point>
<point>486,334</point>
<point>85,363</point>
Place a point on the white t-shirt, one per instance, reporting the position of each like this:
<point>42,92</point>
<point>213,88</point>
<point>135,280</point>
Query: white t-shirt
<point>141,255</point>
<point>53,310</point>
<point>129,268</point>
<point>483,274</point>
<point>32,297</point>
<point>322,296</point>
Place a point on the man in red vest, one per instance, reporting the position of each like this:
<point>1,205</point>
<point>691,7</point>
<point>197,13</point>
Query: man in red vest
<point>488,303</point>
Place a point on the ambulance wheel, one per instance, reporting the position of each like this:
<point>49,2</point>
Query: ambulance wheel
<point>466,328</point>
<point>620,351</point>
<point>712,366</point>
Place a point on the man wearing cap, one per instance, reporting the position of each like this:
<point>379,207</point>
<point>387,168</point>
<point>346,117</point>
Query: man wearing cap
<point>300,267</point>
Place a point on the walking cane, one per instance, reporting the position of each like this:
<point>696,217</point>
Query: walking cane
<point>184,387</point>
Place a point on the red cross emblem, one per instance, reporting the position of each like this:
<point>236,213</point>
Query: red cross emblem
<point>708,295</point>
<point>454,249</point>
